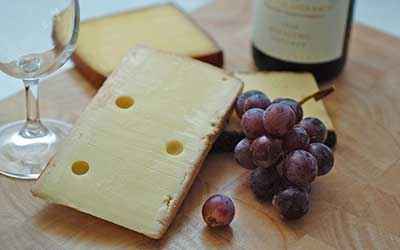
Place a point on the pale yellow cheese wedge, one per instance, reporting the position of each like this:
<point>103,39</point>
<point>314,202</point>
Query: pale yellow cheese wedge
<point>135,151</point>
<point>284,84</point>
<point>289,85</point>
<point>276,84</point>
<point>102,42</point>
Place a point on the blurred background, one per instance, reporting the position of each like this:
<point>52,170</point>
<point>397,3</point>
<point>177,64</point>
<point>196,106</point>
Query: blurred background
<point>382,15</point>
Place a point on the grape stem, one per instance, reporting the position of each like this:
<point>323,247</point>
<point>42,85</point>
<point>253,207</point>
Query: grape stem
<point>320,94</point>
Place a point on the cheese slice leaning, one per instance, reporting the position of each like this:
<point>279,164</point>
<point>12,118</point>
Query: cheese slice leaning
<point>289,85</point>
<point>277,84</point>
<point>134,165</point>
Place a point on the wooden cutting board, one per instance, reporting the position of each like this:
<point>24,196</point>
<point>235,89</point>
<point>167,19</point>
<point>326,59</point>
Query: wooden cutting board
<point>356,206</point>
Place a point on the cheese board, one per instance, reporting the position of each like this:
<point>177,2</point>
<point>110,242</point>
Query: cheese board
<point>356,206</point>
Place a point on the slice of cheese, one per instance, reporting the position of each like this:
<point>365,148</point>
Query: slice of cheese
<point>275,84</point>
<point>289,85</point>
<point>135,151</point>
<point>103,42</point>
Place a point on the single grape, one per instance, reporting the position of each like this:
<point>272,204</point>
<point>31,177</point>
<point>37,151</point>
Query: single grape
<point>297,138</point>
<point>252,123</point>
<point>315,128</point>
<point>279,119</point>
<point>324,156</point>
<point>292,203</point>
<point>295,105</point>
<point>266,151</point>
<point>300,167</point>
<point>282,183</point>
<point>243,154</point>
<point>257,101</point>
<point>239,105</point>
<point>218,211</point>
<point>262,183</point>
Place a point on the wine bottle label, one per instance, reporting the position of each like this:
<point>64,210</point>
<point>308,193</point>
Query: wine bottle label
<point>301,31</point>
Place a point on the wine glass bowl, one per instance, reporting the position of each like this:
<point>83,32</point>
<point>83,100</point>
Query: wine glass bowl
<point>38,37</point>
<point>40,42</point>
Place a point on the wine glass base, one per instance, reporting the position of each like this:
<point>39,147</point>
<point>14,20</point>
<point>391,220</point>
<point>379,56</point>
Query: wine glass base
<point>24,158</point>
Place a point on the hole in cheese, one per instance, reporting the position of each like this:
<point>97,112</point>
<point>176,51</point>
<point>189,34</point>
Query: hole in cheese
<point>174,147</point>
<point>124,102</point>
<point>80,167</point>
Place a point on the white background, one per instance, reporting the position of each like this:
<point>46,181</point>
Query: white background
<point>383,15</point>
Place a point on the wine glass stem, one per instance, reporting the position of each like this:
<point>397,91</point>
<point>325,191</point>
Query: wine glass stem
<point>33,127</point>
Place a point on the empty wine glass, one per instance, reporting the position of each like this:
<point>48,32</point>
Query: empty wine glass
<point>37,38</point>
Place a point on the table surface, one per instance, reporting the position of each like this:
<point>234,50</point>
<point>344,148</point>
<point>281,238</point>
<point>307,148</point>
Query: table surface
<point>356,206</point>
<point>369,12</point>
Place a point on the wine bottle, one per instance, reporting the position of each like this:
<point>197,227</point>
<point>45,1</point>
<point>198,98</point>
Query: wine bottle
<point>302,35</point>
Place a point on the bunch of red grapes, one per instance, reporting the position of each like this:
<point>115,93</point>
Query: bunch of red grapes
<point>285,151</point>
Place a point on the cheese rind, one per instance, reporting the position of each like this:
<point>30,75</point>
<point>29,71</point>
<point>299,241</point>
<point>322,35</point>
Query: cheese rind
<point>102,42</point>
<point>132,180</point>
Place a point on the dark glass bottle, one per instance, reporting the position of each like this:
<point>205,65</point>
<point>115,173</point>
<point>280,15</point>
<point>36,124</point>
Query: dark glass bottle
<point>302,35</point>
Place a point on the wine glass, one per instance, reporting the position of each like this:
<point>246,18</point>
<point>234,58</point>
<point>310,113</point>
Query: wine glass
<point>37,38</point>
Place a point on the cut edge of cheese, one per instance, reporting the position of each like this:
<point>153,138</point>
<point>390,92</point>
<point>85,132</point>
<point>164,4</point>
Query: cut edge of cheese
<point>56,173</point>
<point>103,41</point>
<point>275,84</point>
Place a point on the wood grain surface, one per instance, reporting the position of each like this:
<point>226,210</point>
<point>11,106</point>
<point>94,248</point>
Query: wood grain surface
<point>356,206</point>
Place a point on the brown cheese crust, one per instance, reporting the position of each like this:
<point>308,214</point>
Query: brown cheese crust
<point>90,74</point>
<point>97,79</point>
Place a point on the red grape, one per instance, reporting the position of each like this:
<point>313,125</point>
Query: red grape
<point>239,105</point>
<point>252,123</point>
<point>243,154</point>
<point>324,157</point>
<point>266,151</point>
<point>279,119</point>
<point>315,128</point>
<point>294,105</point>
<point>300,167</point>
<point>218,210</point>
<point>292,203</point>
<point>297,138</point>
<point>262,183</point>
<point>257,101</point>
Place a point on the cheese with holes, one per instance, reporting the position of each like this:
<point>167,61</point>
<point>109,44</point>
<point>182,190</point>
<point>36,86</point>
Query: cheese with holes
<point>136,149</point>
<point>102,42</point>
